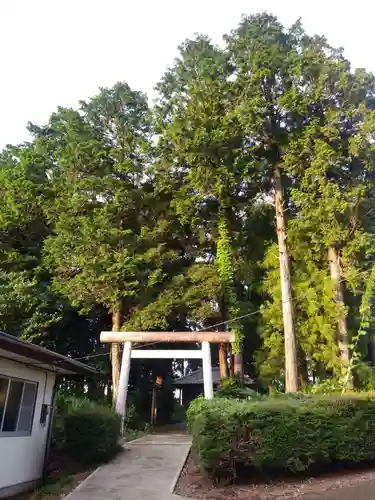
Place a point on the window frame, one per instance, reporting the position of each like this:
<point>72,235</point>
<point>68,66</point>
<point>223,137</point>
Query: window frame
<point>16,433</point>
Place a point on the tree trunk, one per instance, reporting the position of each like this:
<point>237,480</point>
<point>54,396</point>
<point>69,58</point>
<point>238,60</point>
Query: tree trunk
<point>116,353</point>
<point>291,367</point>
<point>231,364</point>
<point>223,361</point>
<point>337,280</point>
<point>238,367</point>
<point>223,348</point>
<point>303,368</point>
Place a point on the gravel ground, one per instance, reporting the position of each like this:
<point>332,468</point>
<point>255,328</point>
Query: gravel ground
<point>192,485</point>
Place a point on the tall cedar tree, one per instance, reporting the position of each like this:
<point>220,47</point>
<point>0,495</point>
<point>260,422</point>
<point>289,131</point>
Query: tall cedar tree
<point>26,304</point>
<point>330,164</point>
<point>264,55</point>
<point>334,160</point>
<point>97,158</point>
<point>200,145</point>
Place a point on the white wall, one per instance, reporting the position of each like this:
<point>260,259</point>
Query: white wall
<point>22,458</point>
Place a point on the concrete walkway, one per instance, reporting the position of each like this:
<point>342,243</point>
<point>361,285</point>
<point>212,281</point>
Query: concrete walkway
<point>146,470</point>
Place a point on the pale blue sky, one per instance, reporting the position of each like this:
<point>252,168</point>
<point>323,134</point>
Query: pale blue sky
<point>55,52</point>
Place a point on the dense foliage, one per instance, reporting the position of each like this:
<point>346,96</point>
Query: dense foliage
<point>84,430</point>
<point>281,433</point>
<point>242,198</point>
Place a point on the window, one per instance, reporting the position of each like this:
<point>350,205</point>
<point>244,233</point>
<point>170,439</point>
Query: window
<point>17,403</point>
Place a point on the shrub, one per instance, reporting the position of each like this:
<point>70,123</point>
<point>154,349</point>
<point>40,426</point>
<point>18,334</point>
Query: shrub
<point>296,396</point>
<point>132,420</point>
<point>230,388</point>
<point>365,376</point>
<point>64,405</point>
<point>326,386</point>
<point>281,433</point>
<point>197,407</point>
<point>92,434</point>
<point>86,431</point>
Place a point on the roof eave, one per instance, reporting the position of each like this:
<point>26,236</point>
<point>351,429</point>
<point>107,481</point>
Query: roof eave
<point>43,356</point>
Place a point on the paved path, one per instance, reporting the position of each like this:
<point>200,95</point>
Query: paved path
<point>146,470</point>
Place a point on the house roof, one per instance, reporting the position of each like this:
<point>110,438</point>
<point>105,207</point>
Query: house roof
<point>19,350</point>
<point>196,377</point>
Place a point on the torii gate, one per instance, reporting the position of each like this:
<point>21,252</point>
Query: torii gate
<point>206,338</point>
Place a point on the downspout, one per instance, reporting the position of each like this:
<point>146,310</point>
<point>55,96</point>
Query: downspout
<point>49,430</point>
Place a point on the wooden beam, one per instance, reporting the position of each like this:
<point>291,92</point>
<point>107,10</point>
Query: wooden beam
<point>213,337</point>
<point>163,354</point>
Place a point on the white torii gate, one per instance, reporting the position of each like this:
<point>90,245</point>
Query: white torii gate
<point>206,338</point>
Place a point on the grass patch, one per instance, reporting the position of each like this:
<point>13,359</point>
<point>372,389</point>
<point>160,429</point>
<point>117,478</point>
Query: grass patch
<point>132,434</point>
<point>55,488</point>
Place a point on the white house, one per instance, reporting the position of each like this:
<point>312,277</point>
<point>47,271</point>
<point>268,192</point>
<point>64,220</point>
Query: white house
<point>27,389</point>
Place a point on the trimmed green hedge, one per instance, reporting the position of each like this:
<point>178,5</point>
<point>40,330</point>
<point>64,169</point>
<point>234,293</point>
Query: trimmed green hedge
<point>281,433</point>
<point>86,431</point>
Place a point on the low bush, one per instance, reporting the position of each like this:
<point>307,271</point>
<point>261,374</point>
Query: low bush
<point>230,388</point>
<point>132,420</point>
<point>86,431</point>
<point>365,376</point>
<point>326,386</point>
<point>64,405</point>
<point>287,434</point>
